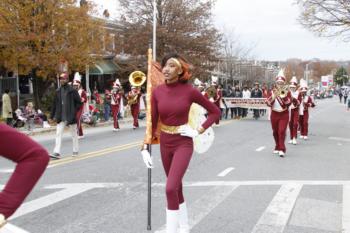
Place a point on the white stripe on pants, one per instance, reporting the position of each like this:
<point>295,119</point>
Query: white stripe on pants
<point>59,132</point>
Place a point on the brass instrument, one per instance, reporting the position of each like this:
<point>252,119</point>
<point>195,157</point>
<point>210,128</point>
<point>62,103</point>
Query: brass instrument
<point>282,91</point>
<point>136,79</point>
<point>211,92</point>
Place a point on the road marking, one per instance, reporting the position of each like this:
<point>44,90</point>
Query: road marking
<point>93,154</point>
<point>339,139</point>
<point>339,144</point>
<point>69,190</point>
<point>262,182</point>
<point>346,209</point>
<point>7,170</point>
<point>260,148</point>
<point>225,172</point>
<point>276,215</point>
<point>204,205</point>
<point>10,228</point>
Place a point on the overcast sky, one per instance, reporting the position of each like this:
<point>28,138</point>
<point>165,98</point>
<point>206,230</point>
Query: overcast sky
<point>270,25</point>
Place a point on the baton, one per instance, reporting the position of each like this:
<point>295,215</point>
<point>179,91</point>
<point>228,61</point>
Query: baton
<point>149,196</point>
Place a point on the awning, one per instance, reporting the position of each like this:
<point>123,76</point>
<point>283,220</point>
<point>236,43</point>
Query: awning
<point>103,67</point>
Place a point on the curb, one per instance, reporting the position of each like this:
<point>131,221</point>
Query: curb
<point>40,131</point>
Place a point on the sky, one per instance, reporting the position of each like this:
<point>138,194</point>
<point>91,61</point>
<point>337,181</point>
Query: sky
<point>271,28</point>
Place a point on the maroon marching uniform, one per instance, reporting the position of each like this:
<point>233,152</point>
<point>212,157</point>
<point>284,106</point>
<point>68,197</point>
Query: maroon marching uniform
<point>279,119</point>
<point>294,114</point>
<point>31,159</point>
<point>115,104</point>
<point>306,103</point>
<point>135,108</point>
<point>83,98</point>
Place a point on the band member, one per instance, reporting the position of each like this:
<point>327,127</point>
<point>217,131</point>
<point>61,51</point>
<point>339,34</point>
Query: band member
<point>305,104</point>
<point>83,98</point>
<point>279,101</point>
<point>171,103</point>
<point>135,95</point>
<point>31,159</point>
<point>115,104</point>
<point>218,96</point>
<point>294,110</point>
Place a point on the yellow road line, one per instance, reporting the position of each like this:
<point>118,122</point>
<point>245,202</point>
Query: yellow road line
<point>67,160</point>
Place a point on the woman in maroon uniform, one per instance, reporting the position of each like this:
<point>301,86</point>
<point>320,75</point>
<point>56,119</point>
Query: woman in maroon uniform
<point>279,103</point>
<point>171,103</point>
<point>31,160</point>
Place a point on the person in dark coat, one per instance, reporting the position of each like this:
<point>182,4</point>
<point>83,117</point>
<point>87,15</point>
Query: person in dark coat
<point>256,93</point>
<point>65,106</point>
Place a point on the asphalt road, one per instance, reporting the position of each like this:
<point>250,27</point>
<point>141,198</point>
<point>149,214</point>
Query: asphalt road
<point>237,186</point>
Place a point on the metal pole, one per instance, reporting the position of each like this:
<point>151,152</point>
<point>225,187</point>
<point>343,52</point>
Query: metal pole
<point>17,84</point>
<point>149,196</point>
<point>154,29</point>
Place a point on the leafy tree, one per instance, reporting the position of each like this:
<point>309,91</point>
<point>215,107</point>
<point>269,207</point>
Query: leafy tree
<point>183,26</point>
<point>341,76</point>
<point>37,35</point>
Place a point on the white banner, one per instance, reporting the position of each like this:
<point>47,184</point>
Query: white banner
<point>256,103</point>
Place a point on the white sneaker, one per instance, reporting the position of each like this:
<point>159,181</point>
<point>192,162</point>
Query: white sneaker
<point>305,137</point>
<point>301,136</point>
<point>290,142</point>
<point>281,154</point>
<point>115,130</point>
<point>294,141</point>
<point>81,137</point>
<point>275,152</point>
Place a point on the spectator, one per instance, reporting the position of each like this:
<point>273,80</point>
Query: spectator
<point>65,107</point>
<point>107,104</point>
<point>29,113</point>
<point>245,95</point>
<point>6,107</point>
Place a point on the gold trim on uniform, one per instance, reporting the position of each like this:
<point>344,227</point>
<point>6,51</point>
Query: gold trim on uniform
<point>169,129</point>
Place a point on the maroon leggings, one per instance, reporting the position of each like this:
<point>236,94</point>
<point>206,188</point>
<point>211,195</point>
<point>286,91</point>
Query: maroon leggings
<point>79,125</point>
<point>304,123</point>
<point>135,110</point>
<point>31,160</point>
<point>176,152</point>
<point>115,111</point>
<point>293,123</point>
<point>279,123</point>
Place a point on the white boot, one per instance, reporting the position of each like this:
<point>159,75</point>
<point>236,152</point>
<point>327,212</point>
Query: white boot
<point>183,219</point>
<point>172,221</point>
<point>294,141</point>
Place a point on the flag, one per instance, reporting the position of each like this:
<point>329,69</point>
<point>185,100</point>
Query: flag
<point>154,79</point>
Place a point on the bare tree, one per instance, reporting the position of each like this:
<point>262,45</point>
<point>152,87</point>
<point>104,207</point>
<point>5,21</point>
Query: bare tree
<point>326,18</point>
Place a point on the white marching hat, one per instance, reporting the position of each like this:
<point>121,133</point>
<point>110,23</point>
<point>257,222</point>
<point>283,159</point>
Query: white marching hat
<point>77,79</point>
<point>116,83</point>
<point>214,80</point>
<point>303,85</point>
<point>280,77</point>
<point>293,82</point>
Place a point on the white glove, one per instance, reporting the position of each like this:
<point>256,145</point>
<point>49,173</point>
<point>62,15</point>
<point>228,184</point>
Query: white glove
<point>187,131</point>
<point>147,158</point>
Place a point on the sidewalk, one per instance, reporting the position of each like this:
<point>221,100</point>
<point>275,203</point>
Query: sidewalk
<point>39,131</point>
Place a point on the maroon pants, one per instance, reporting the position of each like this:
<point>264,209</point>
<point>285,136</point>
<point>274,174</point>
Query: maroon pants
<point>176,152</point>
<point>293,123</point>
<point>115,111</point>
<point>279,123</point>
<point>304,123</point>
<point>31,160</point>
<point>135,110</point>
<point>79,124</point>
